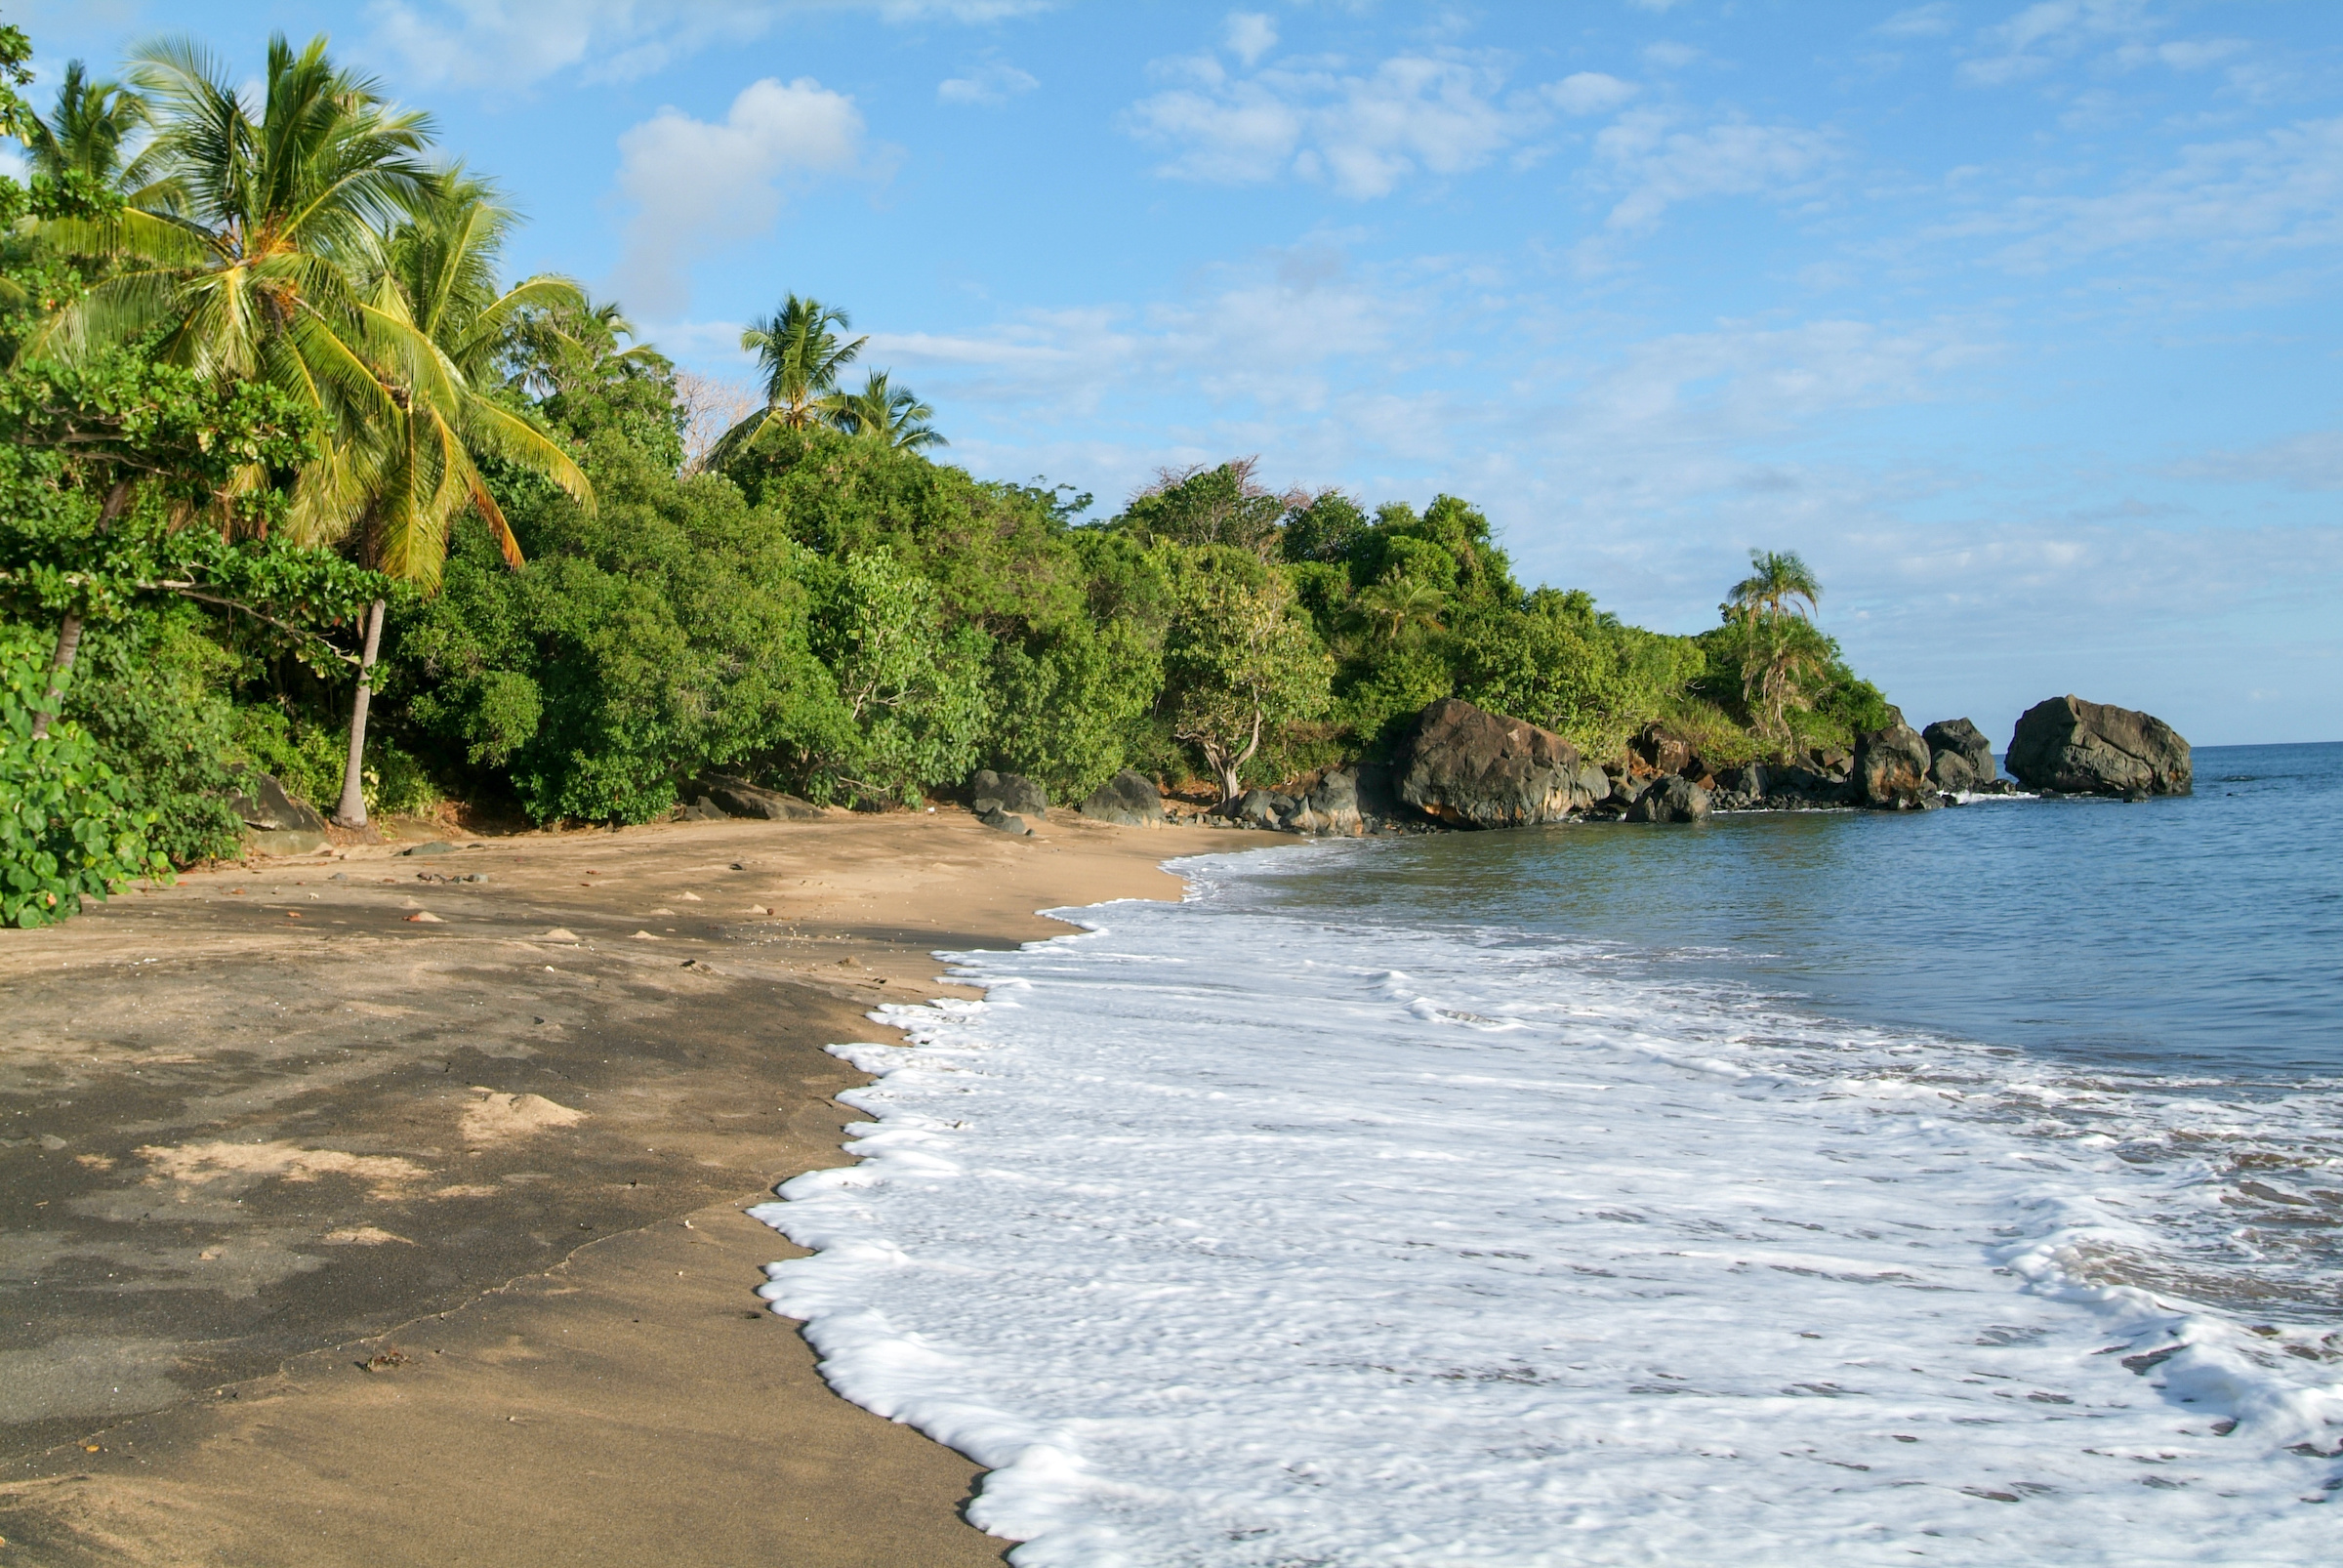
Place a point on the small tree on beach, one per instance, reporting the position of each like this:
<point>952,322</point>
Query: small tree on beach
<point>1240,660</point>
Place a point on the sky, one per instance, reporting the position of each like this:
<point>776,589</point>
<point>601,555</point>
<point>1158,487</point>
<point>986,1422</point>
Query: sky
<point>2018,321</point>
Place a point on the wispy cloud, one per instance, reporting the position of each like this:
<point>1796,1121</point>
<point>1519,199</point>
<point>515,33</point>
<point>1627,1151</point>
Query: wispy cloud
<point>989,85</point>
<point>2248,198</point>
<point>519,43</point>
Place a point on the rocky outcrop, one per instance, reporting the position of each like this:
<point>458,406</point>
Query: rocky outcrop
<point>274,822</point>
<point>1347,801</point>
<point>1008,822</point>
<point>989,790</point>
<point>1467,767</point>
<point>1960,759</point>
<point>1670,798</point>
<point>1891,771</point>
<point>2074,747</point>
<point>1128,800</point>
<point>1657,752</point>
<point>736,797</point>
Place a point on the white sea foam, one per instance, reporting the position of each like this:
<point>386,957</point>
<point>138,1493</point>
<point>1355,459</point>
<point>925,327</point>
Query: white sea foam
<point>1230,1238</point>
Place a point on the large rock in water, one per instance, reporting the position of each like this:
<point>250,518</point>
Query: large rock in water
<point>2090,748</point>
<point>1470,768</point>
<point>1891,769</point>
<point>989,790</point>
<point>1128,800</point>
<point>1670,799</point>
<point>274,822</point>
<point>1959,756</point>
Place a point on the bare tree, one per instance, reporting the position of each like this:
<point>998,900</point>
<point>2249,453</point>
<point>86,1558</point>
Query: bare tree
<point>711,407</point>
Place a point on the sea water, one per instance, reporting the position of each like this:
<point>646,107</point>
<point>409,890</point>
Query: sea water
<point>1797,1188</point>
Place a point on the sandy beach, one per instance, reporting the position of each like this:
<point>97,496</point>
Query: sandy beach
<point>360,1211</point>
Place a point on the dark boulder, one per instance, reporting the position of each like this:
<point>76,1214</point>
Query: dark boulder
<point>989,790</point>
<point>735,797</point>
<point>1470,768</point>
<point>1657,750</point>
<point>2089,748</point>
<point>1891,769</point>
<point>1959,756</point>
<point>1672,797</point>
<point>1128,800</point>
<point>702,810</point>
<point>1347,801</point>
<point>274,822</point>
<point>1005,822</point>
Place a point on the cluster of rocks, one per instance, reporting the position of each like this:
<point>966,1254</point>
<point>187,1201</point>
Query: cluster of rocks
<point>717,797</point>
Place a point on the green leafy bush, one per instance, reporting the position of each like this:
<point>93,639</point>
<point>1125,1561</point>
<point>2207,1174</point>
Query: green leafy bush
<point>70,828</point>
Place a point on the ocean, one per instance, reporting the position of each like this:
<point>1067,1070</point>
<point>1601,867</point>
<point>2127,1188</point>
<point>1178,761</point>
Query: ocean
<point>1799,1188</point>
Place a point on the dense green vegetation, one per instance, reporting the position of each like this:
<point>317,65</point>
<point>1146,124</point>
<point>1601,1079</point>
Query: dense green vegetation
<point>296,481</point>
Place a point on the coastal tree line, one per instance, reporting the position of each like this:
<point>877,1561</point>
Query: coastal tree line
<point>297,481</point>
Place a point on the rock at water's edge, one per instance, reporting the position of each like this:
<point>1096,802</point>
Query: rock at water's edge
<point>1129,800</point>
<point>1891,769</point>
<point>1670,798</point>
<point>1470,768</point>
<point>1959,756</point>
<point>989,790</point>
<point>2092,748</point>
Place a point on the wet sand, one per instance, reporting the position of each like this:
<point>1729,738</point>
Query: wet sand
<point>353,1213</point>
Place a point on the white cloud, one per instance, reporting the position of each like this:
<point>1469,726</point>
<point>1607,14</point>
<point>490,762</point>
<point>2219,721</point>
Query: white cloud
<point>1251,34</point>
<point>2038,37</point>
<point>2310,461</point>
<point>1662,162</point>
<point>697,185</point>
<point>1589,92</point>
<point>1920,22</point>
<point>2281,191</point>
<point>989,85</point>
<point>1364,132</point>
<point>518,43</point>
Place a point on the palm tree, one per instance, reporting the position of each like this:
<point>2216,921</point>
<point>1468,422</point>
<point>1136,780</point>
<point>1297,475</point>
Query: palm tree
<point>801,356</point>
<point>91,133</point>
<point>1780,647</point>
<point>552,349</point>
<point>435,322</point>
<point>240,235</point>
<point>1778,581</point>
<point>1397,603</point>
<point>893,415</point>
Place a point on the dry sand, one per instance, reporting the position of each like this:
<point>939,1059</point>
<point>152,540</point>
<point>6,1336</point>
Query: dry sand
<point>356,1215</point>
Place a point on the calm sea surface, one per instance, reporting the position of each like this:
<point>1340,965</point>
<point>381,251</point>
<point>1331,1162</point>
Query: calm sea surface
<point>2202,933</point>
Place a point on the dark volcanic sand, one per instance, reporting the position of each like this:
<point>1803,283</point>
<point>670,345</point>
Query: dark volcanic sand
<point>235,1142</point>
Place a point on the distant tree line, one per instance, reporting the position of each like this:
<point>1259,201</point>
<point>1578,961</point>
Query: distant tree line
<point>295,481</point>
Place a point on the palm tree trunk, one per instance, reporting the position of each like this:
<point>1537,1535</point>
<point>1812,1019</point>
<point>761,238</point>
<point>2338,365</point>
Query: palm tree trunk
<point>352,813</point>
<point>68,642</point>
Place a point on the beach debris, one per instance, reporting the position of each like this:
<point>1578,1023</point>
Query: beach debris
<point>292,914</point>
<point>559,933</point>
<point>691,898</point>
<point>646,936</point>
<point>662,911</point>
<point>435,847</point>
<point>423,916</point>
<point>759,909</point>
<point>339,876</point>
<point>384,1360</point>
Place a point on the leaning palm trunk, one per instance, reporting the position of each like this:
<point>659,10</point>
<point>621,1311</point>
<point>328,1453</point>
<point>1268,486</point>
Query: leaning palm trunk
<point>352,813</point>
<point>68,635</point>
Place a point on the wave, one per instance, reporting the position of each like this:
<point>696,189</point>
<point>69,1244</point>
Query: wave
<point>1221,1236</point>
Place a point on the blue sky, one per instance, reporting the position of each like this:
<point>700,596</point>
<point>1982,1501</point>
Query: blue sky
<point>2019,322</point>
